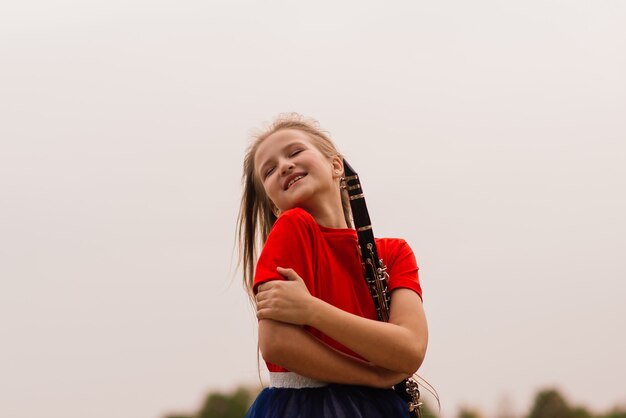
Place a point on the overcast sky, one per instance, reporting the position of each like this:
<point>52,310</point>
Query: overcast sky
<point>491,135</point>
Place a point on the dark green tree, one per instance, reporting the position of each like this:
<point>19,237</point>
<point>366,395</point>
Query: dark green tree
<point>615,413</point>
<point>550,403</point>
<point>234,405</point>
<point>580,412</point>
<point>223,405</point>
<point>427,412</point>
<point>469,413</point>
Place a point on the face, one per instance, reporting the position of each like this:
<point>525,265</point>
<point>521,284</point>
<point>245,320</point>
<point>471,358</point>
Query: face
<point>293,171</point>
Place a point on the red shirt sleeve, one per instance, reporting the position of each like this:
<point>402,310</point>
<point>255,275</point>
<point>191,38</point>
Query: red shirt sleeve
<point>289,245</point>
<point>401,266</point>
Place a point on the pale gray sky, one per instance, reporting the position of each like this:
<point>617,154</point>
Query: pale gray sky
<point>489,134</point>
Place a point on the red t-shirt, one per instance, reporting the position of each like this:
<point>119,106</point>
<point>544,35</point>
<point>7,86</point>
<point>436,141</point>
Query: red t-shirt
<point>328,261</point>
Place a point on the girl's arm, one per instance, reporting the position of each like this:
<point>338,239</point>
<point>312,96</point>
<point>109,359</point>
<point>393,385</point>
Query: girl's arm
<point>291,347</point>
<point>398,345</point>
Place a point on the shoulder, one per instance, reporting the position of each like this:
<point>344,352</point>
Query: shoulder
<point>290,243</point>
<point>392,247</point>
<point>296,215</point>
<point>396,253</point>
<point>295,219</point>
<point>292,224</point>
<point>401,264</point>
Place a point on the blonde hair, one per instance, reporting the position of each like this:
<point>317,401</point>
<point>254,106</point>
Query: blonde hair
<point>256,213</point>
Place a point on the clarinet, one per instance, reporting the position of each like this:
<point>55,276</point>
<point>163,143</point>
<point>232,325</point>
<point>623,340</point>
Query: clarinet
<point>376,276</point>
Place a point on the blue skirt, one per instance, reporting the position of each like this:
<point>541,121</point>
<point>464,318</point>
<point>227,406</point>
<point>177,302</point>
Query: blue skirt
<point>336,401</point>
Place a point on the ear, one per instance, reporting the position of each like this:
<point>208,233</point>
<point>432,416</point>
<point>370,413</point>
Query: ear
<point>337,163</point>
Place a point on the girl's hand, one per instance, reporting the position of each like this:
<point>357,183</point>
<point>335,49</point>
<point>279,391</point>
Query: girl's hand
<point>285,300</point>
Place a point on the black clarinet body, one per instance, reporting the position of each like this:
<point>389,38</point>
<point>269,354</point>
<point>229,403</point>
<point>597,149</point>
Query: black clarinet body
<point>375,274</point>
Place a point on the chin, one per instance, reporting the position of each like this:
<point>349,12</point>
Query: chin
<point>299,201</point>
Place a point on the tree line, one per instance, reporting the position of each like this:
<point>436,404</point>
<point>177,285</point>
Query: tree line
<point>548,403</point>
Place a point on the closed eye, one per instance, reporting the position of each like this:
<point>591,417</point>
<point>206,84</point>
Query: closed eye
<point>268,172</point>
<point>292,154</point>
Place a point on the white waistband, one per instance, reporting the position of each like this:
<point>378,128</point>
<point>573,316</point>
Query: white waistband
<point>293,380</point>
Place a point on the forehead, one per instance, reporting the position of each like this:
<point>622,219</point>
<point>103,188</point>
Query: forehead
<point>276,142</point>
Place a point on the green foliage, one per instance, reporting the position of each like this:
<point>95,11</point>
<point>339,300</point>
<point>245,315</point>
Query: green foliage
<point>551,404</point>
<point>548,403</point>
<point>469,413</point>
<point>616,413</point>
<point>233,405</point>
<point>427,412</point>
<point>580,412</point>
<point>224,405</point>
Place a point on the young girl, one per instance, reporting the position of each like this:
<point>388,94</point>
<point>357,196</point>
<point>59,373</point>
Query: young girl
<point>327,354</point>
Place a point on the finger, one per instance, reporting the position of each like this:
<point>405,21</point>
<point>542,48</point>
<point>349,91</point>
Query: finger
<point>263,299</point>
<point>263,287</point>
<point>284,271</point>
<point>264,314</point>
<point>290,274</point>
<point>261,292</point>
<point>264,304</point>
<point>266,286</point>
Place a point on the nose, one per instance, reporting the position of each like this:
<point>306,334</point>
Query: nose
<point>286,166</point>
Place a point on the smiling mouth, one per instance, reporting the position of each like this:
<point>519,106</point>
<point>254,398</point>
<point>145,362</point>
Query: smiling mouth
<point>294,180</point>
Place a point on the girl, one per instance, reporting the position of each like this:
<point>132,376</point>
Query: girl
<point>327,354</point>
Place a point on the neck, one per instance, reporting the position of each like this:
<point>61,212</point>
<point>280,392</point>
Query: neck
<point>330,220</point>
<point>329,214</point>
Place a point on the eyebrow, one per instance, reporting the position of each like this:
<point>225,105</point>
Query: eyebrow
<point>263,166</point>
